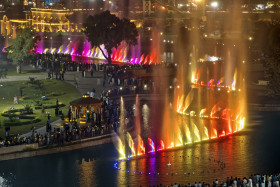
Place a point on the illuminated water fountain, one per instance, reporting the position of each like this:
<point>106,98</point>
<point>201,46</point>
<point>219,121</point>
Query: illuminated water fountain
<point>199,113</point>
<point>119,55</point>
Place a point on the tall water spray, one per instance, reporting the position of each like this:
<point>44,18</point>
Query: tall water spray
<point>119,137</point>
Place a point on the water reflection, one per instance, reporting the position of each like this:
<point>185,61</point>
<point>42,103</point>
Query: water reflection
<point>87,173</point>
<point>198,162</point>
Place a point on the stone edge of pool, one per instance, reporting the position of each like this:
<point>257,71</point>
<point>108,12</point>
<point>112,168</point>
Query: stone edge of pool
<point>32,150</point>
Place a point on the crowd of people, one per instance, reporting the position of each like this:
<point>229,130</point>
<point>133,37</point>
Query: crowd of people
<point>256,180</point>
<point>57,136</point>
<point>126,83</point>
<point>72,131</point>
<point>110,112</point>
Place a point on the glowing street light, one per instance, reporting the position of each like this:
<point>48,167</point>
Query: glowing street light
<point>214,4</point>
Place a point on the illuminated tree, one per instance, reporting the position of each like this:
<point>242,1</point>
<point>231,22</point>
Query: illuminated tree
<point>23,46</point>
<point>109,30</point>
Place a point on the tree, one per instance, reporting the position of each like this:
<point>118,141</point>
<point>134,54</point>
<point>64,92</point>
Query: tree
<point>23,46</point>
<point>267,40</point>
<point>109,30</point>
<point>272,74</point>
<point>267,37</point>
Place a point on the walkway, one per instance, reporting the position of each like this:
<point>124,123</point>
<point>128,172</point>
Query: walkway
<point>56,124</point>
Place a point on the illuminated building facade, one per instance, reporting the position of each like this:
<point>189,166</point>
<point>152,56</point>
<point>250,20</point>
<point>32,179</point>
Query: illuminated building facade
<point>51,20</point>
<point>58,20</point>
<point>9,26</point>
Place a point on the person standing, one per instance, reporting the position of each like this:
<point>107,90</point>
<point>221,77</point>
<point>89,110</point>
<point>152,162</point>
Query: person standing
<point>20,91</point>
<point>15,100</point>
<point>57,103</point>
<point>32,131</point>
<point>69,114</point>
<point>47,127</point>
<point>76,81</point>
<point>7,129</point>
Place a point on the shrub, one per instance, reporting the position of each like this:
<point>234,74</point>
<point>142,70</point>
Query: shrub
<point>20,123</point>
<point>13,111</point>
<point>49,106</point>
<point>31,80</point>
<point>56,94</point>
<point>12,117</point>
<point>38,103</point>
<point>34,82</point>
<point>36,120</point>
<point>26,117</point>
<point>28,109</point>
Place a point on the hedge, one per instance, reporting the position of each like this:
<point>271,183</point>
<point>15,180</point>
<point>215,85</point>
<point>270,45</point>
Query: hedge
<point>19,123</point>
<point>49,106</point>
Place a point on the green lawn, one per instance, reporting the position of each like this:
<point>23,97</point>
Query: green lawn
<point>12,71</point>
<point>32,95</point>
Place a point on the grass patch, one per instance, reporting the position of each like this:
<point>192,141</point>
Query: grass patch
<point>38,94</point>
<point>12,70</point>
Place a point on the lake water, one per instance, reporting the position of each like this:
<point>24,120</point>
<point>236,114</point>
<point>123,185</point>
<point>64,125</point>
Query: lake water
<point>254,150</point>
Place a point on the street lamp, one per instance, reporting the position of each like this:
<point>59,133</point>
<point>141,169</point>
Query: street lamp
<point>203,4</point>
<point>214,4</point>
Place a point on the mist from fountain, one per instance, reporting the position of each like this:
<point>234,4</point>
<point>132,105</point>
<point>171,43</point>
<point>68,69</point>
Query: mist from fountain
<point>209,97</point>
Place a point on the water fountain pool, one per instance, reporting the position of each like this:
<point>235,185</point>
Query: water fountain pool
<point>192,113</point>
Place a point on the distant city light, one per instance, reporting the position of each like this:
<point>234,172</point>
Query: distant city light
<point>213,58</point>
